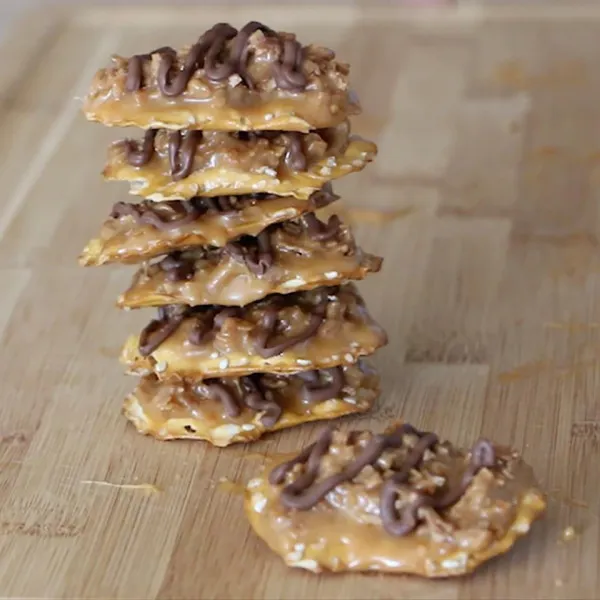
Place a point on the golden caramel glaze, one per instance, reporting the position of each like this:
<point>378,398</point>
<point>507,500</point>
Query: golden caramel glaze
<point>228,163</point>
<point>288,257</point>
<point>179,409</point>
<point>317,329</point>
<point>230,104</point>
<point>126,239</point>
<point>351,528</point>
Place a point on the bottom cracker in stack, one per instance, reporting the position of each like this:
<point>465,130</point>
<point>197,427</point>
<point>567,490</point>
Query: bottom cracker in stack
<point>241,409</point>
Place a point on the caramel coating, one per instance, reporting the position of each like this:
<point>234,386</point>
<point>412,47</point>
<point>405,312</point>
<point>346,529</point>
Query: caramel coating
<point>177,409</point>
<point>218,163</point>
<point>319,329</point>
<point>459,508</point>
<point>282,85</point>
<point>126,238</point>
<point>295,258</point>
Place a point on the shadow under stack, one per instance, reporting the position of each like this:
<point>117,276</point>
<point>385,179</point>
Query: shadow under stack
<point>258,327</point>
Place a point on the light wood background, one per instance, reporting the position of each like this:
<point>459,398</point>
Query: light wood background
<point>488,126</point>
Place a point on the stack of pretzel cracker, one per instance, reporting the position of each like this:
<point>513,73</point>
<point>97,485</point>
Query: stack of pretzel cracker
<point>259,327</point>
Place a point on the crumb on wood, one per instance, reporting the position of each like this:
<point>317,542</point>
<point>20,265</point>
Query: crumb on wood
<point>147,487</point>
<point>568,534</point>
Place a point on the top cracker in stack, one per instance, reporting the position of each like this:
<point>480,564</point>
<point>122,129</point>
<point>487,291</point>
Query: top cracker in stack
<point>257,327</point>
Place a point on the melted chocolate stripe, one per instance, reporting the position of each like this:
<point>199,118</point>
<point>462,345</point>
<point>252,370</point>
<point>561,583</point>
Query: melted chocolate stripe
<point>135,72</point>
<point>182,150</point>
<point>252,394</point>
<point>204,328</point>
<point>254,252</point>
<point>256,399</point>
<point>303,495</point>
<point>219,391</point>
<point>182,147</point>
<point>177,267</point>
<point>320,231</point>
<point>315,390</point>
<point>266,331</point>
<point>209,52</point>
<point>188,211</point>
<point>295,158</point>
<point>139,156</point>
<point>160,329</point>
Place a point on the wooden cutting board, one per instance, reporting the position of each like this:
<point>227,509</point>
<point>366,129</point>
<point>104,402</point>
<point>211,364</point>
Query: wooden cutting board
<point>485,203</point>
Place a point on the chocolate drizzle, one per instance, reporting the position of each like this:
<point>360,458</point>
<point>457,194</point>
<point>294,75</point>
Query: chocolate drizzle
<point>184,212</point>
<point>182,149</point>
<point>177,267</point>
<point>305,492</point>
<point>270,324</point>
<point>255,397</point>
<point>324,196</point>
<point>135,68</point>
<point>295,158</point>
<point>253,392</point>
<point>210,52</point>
<point>160,329</point>
<point>219,391</point>
<point>268,334</point>
<point>254,252</point>
<point>315,390</point>
<point>146,213</point>
<point>139,155</point>
<point>250,394</point>
<point>213,320</point>
<point>320,231</point>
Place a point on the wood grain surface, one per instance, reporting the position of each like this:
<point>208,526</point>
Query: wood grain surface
<point>487,121</point>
